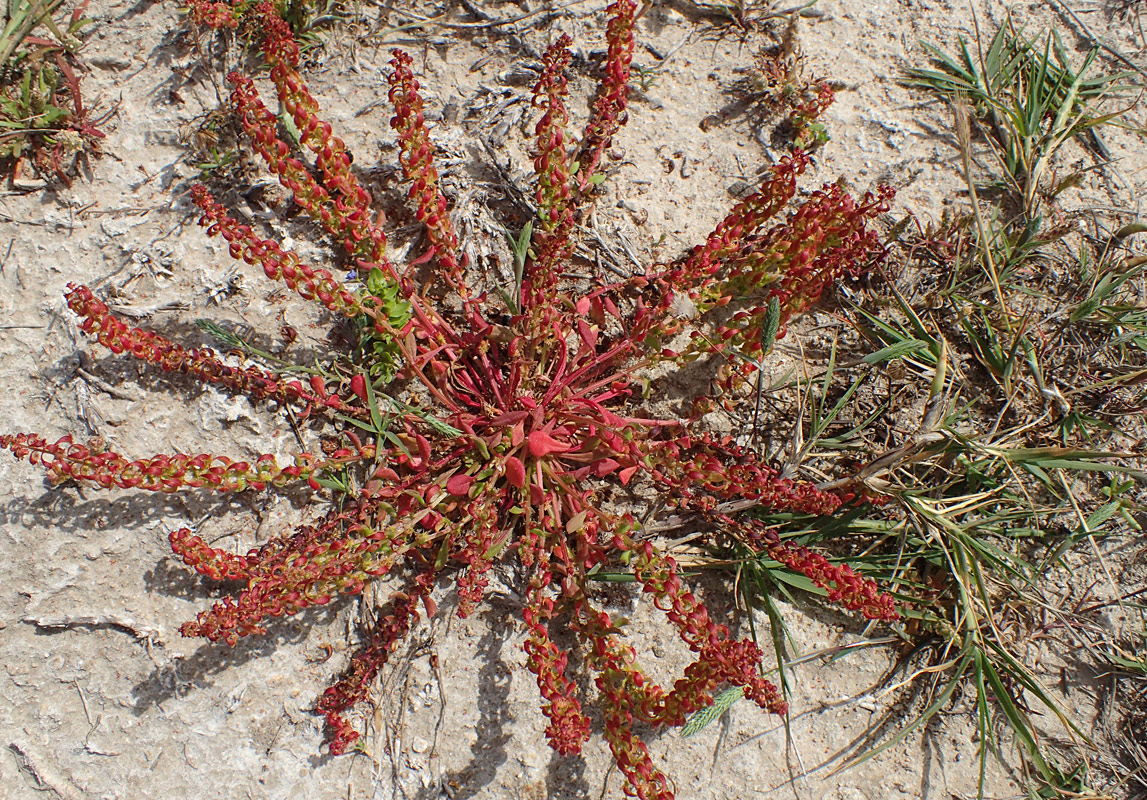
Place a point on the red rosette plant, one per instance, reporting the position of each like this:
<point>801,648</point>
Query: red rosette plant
<point>512,428</point>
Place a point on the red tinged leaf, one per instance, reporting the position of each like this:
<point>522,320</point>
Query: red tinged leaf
<point>611,308</point>
<point>581,472</point>
<point>358,386</point>
<point>423,448</point>
<point>512,418</point>
<point>606,466</point>
<point>597,311</point>
<point>515,472</point>
<point>576,522</point>
<point>587,333</point>
<point>459,485</point>
<point>319,386</point>
<point>385,473</point>
<point>626,475</point>
<point>541,444</point>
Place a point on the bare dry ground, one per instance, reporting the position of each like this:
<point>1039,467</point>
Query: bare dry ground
<point>102,698</point>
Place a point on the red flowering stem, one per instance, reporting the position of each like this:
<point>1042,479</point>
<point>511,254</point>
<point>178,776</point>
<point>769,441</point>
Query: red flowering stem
<point>351,202</point>
<point>341,221</point>
<point>257,384</point>
<point>569,727</point>
<point>552,162</point>
<point>480,529</point>
<point>93,463</point>
<point>608,112</point>
<point>119,337</point>
<point>214,15</point>
<point>417,160</point>
<point>697,271</point>
<point>218,565</point>
<point>353,687</point>
<point>844,586</point>
<point>696,275</point>
<point>280,264</point>
<point>721,660</point>
<point>307,569</point>
<point>839,581</point>
<point>625,693</point>
<point>826,238</point>
<point>807,111</point>
<point>704,470</point>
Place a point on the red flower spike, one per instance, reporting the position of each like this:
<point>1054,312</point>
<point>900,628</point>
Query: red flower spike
<point>417,162</point>
<point>343,222</point>
<point>212,14</point>
<point>608,113</point>
<point>278,264</point>
<point>94,463</point>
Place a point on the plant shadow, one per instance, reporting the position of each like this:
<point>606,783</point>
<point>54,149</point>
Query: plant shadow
<point>180,676</point>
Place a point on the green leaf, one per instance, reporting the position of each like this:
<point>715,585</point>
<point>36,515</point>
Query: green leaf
<point>898,350</point>
<point>377,283</point>
<point>289,126</point>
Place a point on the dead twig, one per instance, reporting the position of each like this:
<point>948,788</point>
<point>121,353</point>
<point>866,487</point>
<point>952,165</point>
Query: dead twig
<point>115,621</point>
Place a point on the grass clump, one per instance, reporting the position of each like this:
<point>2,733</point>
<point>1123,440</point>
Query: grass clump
<point>45,128</point>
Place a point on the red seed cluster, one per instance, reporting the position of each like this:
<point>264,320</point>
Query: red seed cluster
<point>417,159</point>
<point>608,113</point>
<point>203,364</point>
<point>277,263</point>
<point>215,14</point>
<point>552,164</point>
<point>93,463</point>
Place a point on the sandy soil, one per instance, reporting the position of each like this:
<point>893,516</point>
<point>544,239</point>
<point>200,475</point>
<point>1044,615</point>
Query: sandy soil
<point>102,698</point>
